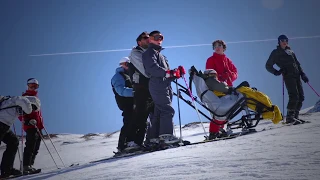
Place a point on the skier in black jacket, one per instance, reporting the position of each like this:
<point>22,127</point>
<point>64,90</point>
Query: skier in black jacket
<point>291,70</point>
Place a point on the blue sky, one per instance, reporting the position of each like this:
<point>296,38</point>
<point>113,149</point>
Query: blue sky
<point>75,89</point>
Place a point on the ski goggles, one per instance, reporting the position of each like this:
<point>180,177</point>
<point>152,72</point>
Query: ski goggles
<point>33,86</point>
<point>158,37</point>
<point>283,40</point>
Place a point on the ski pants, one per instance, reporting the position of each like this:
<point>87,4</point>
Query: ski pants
<point>128,118</point>
<point>12,142</point>
<point>143,107</point>
<point>33,141</point>
<point>295,92</point>
<point>161,122</point>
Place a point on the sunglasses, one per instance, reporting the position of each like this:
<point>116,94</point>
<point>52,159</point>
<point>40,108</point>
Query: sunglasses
<point>158,37</point>
<point>145,37</point>
<point>34,86</point>
<point>284,40</point>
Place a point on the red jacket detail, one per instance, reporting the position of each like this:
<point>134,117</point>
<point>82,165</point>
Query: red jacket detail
<point>33,115</point>
<point>226,70</point>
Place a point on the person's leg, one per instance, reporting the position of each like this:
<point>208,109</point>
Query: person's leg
<point>31,139</point>
<point>128,118</point>
<point>301,98</point>
<point>141,98</point>
<point>291,85</point>
<point>36,148</point>
<point>12,142</point>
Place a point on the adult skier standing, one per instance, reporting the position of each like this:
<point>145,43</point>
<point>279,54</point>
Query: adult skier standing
<point>161,75</point>
<point>10,109</point>
<point>226,71</point>
<point>122,89</point>
<point>32,123</point>
<point>291,71</point>
<point>142,98</point>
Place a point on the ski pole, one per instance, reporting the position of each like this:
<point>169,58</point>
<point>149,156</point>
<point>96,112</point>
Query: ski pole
<point>14,129</point>
<point>54,145</point>
<point>194,104</point>
<point>46,145</point>
<point>313,90</point>
<point>178,97</point>
<point>283,97</point>
<point>21,165</point>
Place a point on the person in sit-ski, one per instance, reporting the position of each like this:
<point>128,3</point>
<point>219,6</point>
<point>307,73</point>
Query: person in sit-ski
<point>210,77</point>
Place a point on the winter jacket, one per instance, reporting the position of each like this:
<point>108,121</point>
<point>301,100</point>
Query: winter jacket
<point>216,86</point>
<point>286,60</point>
<point>36,115</point>
<point>136,68</point>
<point>156,65</point>
<point>226,70</point>
<point>9,115</point>
<point>122,88</point>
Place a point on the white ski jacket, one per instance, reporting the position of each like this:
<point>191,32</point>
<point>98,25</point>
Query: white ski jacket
<point>9,107</point>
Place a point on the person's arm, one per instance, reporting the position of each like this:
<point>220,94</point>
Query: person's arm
<point>149,59</point>
<point>136,60</point>
<point>24,103</point>
<point>215,85</point>
<point>233,72</point>
<point>119,85</point>
<point>210,63</point>
<point>270,62</point>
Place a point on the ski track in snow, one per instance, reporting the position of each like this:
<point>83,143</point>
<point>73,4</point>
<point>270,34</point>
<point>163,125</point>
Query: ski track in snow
<point>291,152</point>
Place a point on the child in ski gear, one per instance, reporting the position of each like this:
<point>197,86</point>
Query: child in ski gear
<point>122,89</point>
<point>142,98</point>
<point>32,123</point>
<point>10,109</point>
<point>291,71</point>
<point>161,76</point>
<point>226,70</point>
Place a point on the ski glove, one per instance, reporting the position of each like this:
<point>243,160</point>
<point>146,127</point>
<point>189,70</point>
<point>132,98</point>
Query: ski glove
<point>304,77</point>
<point>173,73</point>
<point>182,70</point>
<point>31,122</point>
<point>277,73</point>
<point>232,90</point>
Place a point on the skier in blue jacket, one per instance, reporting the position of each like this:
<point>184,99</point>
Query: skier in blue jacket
<point>122,89</point>
<point>161,76</point>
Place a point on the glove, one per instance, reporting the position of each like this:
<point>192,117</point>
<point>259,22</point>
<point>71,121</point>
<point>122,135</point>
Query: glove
<point>182,70</point>
<point>232,90</point>
<point>173,73</point>
<point>34,107</point>
<point>31,122</point>
<point>304,77</point>
<point>277,73</point>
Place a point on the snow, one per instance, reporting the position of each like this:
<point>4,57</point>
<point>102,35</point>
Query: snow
<point>287,152</point>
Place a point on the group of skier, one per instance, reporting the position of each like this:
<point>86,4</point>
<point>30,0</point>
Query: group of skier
<point>27,109</point>
<point>142,88</point>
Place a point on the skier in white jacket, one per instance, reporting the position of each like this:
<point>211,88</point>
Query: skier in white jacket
<point>10,109</point>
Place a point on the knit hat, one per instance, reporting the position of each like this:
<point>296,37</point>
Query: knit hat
<point>282,37</point>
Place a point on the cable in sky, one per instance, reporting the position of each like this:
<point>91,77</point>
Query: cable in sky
<point>168,47</point>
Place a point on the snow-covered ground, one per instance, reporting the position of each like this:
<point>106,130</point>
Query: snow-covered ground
<point>290,152</point>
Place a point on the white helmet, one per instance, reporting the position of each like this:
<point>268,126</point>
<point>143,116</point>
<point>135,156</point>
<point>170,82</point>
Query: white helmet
<point>124,59</point>
<point>32,81</point>
<point>210,71</point>
<point>36,104</point>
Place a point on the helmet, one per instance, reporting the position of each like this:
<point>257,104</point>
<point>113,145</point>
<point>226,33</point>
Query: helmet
<point>210,71</point>
<point>281,37</point>
<point>32,81</point>
<point>35,102</point>
<point>124,59</point>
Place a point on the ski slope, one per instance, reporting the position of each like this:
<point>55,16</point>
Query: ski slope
<point>290,152</point>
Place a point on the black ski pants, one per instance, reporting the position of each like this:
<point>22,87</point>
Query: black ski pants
<point>33,141</point>
<point>143,107</point>
<point>12,142</point>
<point>126,105</point>
<point>295,92</point>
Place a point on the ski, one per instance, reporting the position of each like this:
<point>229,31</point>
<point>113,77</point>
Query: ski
<point>24,174</point>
